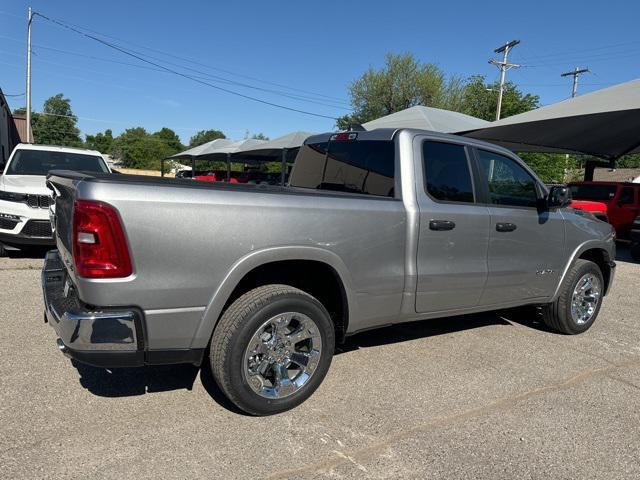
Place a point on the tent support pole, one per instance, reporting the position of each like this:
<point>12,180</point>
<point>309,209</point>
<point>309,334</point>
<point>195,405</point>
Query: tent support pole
<point>228,167</point>
<point>162,167</point>
<point>193,168</point>
<point>283,167</point>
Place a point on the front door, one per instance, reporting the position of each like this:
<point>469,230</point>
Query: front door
<point>624,209</point>
<point>454,229</point>
<point>526,246</point>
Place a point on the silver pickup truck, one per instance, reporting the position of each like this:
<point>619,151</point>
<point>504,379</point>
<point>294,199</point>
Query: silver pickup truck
<point>373,228</point>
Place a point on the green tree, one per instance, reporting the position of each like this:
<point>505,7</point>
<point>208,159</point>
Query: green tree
<point>401,83</point>
<point>259,136</point>
<point>56,125</point>
<point>481,99</point>
<point>204,136</point>
<point>550,167</point>
<point>136,148</point>
<point>170,139</point>
<point>102,142</point>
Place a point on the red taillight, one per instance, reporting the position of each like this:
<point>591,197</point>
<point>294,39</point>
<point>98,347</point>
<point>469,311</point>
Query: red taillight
<point>99,245</point>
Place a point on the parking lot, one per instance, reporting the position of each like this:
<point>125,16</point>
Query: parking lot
<point>492,395</point>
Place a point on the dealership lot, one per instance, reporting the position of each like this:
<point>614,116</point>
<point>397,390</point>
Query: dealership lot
<point>486,395</point>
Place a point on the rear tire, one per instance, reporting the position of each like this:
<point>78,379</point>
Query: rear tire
<point>271,349</point>
<point>579,300</point>
<point>635,251</point>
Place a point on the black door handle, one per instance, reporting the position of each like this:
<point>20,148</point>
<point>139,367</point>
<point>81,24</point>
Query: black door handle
<point>506,227</point>
<point>441,225</point>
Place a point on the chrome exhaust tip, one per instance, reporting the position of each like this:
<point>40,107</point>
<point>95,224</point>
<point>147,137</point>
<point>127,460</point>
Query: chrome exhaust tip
<point>61,345</point>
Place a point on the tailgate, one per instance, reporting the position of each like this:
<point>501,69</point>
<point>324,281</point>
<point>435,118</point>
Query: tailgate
<point>64,191</point>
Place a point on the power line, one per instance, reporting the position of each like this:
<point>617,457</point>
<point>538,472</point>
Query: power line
<point>184,59</point>
<point>184,75</point>
<point>205,75</point>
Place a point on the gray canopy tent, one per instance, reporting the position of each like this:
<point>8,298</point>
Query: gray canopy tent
<point>216,150</point>
<point>280,148</point>
<point>604,123</point>
<point>428,118</point>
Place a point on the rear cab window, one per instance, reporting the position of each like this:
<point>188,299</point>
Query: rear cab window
<point>353,166</point>
<point>447,172</point>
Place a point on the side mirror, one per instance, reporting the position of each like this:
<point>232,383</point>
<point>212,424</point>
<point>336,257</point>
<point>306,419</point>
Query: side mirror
<point>559,196</point>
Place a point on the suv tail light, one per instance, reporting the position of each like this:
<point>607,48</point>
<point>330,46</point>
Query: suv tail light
<point>99,246</point>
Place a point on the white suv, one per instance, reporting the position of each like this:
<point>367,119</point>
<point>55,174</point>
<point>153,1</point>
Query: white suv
<point>24,196</point>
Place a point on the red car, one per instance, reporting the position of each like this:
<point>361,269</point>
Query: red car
<point>617,202</point>
<point>215,177</point>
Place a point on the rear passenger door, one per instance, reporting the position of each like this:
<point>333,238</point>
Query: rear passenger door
<point>454,228</point>
<point>526,246</point>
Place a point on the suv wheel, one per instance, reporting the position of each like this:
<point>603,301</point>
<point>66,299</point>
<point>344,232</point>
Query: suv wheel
<point>579,299</point>
<point>271,349</point>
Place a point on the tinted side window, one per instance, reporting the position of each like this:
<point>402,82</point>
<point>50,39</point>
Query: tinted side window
<point>626,196</point>
<point>446,170</point>
<point>509,183</point>
<point>360,166</point>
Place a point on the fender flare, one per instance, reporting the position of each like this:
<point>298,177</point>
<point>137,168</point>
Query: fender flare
<point>580,249</point>
<point>262,257</point>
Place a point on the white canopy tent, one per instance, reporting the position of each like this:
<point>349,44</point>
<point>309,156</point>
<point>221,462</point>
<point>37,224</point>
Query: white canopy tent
<point>428,118</point>
<point>216,150</point>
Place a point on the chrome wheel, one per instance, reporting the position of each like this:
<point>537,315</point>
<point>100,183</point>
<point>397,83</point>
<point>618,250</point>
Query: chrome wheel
<point>282,355</point>
<point>586,296</point>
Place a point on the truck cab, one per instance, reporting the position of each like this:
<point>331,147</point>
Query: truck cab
<point>24,196</point>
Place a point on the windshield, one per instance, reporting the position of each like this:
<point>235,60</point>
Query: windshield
<point>40,162</point>
<point>591,191</point>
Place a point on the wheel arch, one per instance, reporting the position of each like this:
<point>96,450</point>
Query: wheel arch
<point>594,251</point>
<point>283,265</point>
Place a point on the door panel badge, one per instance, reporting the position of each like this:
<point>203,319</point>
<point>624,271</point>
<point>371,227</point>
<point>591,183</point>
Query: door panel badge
<point>544,271</point>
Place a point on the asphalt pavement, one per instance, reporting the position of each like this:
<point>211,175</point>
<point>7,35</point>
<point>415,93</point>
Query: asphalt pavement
<point>482,396</point>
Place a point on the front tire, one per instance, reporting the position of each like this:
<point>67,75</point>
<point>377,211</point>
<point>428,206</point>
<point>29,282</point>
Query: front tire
<point>578,303</point>
<point>271,349</point>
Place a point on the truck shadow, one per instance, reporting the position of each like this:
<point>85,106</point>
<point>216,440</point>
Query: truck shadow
<point>128,382</point>
<point>403,332</point>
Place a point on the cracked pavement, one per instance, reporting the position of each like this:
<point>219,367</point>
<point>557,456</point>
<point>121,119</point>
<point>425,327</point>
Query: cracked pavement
<point>481,396</point>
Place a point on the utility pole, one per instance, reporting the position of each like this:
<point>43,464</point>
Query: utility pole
<point>504,65</point>
<point>575,73</point>
<point>574,91</point>
<point>30,19</point>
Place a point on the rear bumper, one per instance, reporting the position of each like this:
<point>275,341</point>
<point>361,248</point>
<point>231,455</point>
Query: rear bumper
<point>102,337</point>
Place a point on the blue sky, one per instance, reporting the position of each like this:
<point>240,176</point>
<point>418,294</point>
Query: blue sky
<point>315,47</point>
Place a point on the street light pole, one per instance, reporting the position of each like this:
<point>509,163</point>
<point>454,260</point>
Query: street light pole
<point>504,65</point>
<point>28,88</point>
